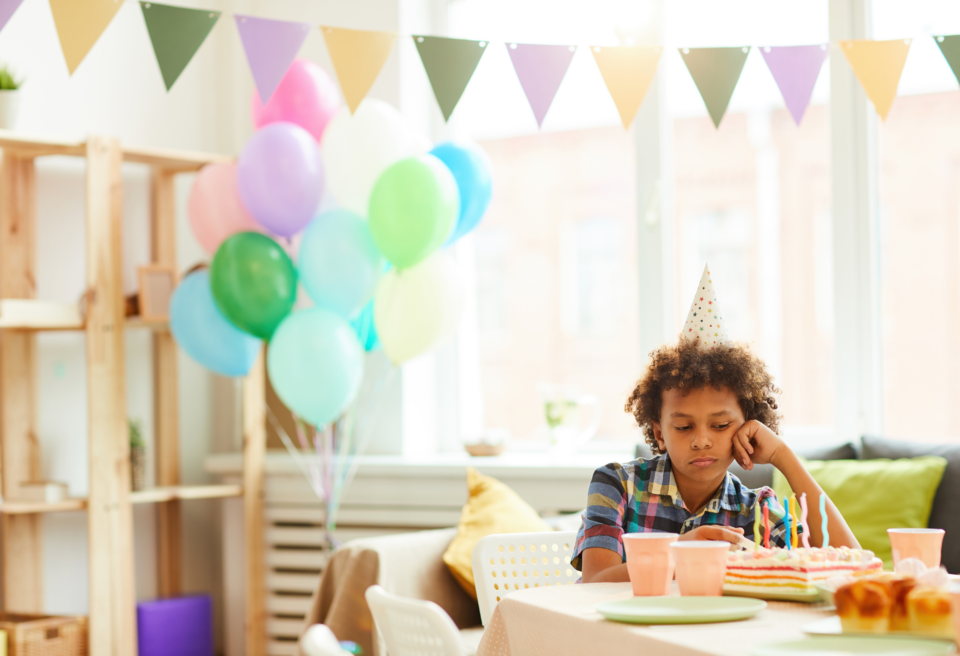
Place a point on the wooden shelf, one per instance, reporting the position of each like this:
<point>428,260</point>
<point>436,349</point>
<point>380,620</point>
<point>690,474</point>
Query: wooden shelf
<point>172,160</point>
<point>30,314</point>
<point>137,322</point>
<point>153,495</point>
<point>38,147</point>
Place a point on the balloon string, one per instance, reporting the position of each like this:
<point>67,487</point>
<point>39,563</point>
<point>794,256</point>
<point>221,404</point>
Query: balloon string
<point>294,452</point>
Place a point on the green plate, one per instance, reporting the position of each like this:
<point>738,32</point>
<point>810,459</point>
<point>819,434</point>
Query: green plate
<point>855,647</point>
<point>802,597</point>
<point>831,626</point>
<point>680,610</point>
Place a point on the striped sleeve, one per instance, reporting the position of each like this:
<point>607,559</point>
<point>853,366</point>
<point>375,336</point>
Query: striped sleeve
<point>602,525</point>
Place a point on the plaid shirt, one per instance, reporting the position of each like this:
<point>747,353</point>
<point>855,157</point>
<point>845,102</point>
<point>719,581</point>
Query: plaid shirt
<point>642,495</point>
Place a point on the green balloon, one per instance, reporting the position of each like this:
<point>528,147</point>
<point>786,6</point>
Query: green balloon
<point>254,282</point>
<point>414,207</point>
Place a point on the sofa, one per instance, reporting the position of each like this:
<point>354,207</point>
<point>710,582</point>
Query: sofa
<point>410,564</point>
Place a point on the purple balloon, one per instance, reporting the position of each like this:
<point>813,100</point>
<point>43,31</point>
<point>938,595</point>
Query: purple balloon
<point>280,177</point>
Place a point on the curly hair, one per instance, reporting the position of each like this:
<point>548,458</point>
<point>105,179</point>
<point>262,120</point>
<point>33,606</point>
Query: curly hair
<point>686,366</point>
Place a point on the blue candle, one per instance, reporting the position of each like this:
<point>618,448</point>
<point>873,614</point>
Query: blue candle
<point>823,519</point>
<point>786,523</point>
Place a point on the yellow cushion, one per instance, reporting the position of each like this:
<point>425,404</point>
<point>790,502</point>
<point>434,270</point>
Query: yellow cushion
<point>491,508</point>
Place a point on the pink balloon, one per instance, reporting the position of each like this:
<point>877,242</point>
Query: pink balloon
<point>215,209</point>
<point>306,96</point>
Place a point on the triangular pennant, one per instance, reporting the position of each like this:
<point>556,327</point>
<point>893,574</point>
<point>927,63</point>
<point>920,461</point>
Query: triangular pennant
<point>950,48</point>
<point>541,69</point>
<point>176,34</point>
<point>449,64</point>
<point>878,65</point>
<point>627,72</point>
<point>271,46</point>
<point>357,56</point>
<point>704,322</point>
<point>795,69</point>
<point>7,7</point>
<point>79,24</point>
<point>716,72</point>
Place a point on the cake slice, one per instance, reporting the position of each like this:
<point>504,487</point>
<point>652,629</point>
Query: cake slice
<point>793,571</point>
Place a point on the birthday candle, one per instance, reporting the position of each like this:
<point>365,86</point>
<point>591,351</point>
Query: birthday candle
<point>786,522</point>
<point>756,524</point>
<point>823,518</point>
<point>766,524</point>
<point>794,523</point>
<point>803,521</point>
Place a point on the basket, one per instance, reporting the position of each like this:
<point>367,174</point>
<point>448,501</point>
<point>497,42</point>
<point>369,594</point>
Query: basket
<point>44,635</point>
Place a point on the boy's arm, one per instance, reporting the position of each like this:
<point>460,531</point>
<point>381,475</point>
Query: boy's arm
<point>755,443</point>
<point>603,566</point>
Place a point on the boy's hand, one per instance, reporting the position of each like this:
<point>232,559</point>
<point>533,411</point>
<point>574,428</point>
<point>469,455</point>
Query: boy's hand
<point>724,533</point>
<point>754,443</point>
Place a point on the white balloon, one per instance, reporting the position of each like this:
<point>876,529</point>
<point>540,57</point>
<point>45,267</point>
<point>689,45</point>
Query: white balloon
<point>319,640</point>
<point>416,309</point>
<point>357,149</point>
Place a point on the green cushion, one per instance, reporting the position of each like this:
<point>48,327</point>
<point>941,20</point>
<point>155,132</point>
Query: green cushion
<point>874,495</point>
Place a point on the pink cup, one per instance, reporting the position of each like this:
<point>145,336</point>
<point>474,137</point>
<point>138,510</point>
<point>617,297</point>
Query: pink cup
<point>922,543</point>
<point>701,567</point>
<point>955,610</point>
<point>649,562</point>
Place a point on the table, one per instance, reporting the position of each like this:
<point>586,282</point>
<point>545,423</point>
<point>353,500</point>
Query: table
<point>552,621</point>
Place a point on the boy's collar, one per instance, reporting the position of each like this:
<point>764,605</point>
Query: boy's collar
<point>664,484</point>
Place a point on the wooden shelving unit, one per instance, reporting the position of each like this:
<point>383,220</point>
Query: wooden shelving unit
<point>108,506</point>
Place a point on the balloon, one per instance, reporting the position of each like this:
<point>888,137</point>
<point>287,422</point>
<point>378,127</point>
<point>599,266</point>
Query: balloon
<point>365,330</point>
<point>215,209</point>
<point>315,364</point>
<point>203,332</point>
<point>471,169</point>
<point>356,150</point>
<point>415,309</point>
<point>254,283</point>
<point>339,264</point>
<point>413,209</point>
<point>306,96</point>
<point>280,177</point>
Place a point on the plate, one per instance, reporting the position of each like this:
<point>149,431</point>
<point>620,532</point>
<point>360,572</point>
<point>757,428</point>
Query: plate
<point>850,646</point>
<point>830,626</point>
<point>826,593</point>
<point>680,610</point>
<point>802,597</point>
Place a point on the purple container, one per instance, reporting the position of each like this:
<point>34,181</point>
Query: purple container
<point>176,627</point>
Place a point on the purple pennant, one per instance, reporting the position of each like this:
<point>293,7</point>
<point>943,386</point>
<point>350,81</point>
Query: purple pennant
<point>7,7</point>
<point>271,46</point>
<point>795,69</point>
<point>540,69</point>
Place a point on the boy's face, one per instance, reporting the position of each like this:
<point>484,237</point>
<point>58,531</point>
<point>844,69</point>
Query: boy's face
<point>696,429</point>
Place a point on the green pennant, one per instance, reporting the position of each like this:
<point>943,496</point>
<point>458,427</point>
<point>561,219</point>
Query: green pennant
<point>716,72</point>
<point>450,64</point>
<point>950,47</point>
<point>176,33</point>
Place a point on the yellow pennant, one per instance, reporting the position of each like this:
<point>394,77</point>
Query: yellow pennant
<point>627,72</point>
<point>878,65</point>
<point>79,24</point>
<point>357,56</point>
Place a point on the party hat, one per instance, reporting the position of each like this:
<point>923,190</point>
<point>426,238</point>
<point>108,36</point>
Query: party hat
<point>704,321</point>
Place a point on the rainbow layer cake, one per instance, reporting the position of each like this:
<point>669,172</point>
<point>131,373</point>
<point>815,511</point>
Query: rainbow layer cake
<point>794,571</point>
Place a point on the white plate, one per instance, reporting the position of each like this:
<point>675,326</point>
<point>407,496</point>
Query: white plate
<point>830,626</point>
<point>802,597</point>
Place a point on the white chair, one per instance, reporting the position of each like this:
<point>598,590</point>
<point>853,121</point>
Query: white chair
<point>411,627</point>
<point>507,562</point>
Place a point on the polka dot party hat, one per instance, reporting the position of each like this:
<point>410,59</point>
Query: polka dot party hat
<point>704,321</point>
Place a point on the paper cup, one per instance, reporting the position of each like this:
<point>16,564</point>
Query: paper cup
<point>701,567</point>
<point>922,543</point>
<point>955,610</point>
<point>649,562</point>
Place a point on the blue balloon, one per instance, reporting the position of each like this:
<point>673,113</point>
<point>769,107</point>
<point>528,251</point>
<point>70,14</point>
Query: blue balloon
<point>315,364</point>
<point>339,264</point>
<point>204,333</point>
<point>365,330</point>
<point>470,166</point>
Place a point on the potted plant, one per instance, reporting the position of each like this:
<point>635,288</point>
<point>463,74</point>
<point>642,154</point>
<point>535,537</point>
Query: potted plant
<point>9,98</point>
<point>138,456</point>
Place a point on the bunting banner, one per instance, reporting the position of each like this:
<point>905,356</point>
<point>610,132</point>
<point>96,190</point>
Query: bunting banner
<point>795,69</point>
<point>627,71</point>
<point>176,34</point>
<point>541,69</point>
<point>270,46</point>
<point>449,64</point>
<point>716,72</point>
<point>949,48</point>
<point>7,7</point>
<point>79,24</point>
<point>358,57</point>
<point>878,65</point>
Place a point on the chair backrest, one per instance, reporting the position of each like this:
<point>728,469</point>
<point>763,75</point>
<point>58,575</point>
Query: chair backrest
<point>412,627</point>
<point>507,562</point>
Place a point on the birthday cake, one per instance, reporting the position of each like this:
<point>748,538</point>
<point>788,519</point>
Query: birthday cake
<point>777,571</point>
